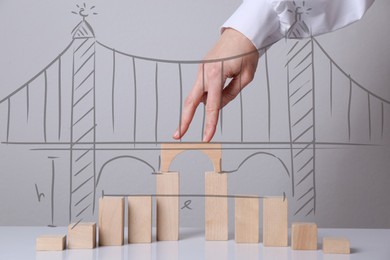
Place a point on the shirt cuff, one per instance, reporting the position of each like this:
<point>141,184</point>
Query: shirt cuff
<point>338,14</point>
<point>250,18</point>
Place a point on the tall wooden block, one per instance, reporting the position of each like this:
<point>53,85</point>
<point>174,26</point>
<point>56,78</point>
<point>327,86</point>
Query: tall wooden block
<point>111,221</point>
<point>334,245</point>
<point>247,220</point>
<point>139,219</point>
<point>304,236</point>
<point>167,206</point>
<point>51,243</point>
<point>82,236</point>
<point>275,221</point>
<point>216,208</point>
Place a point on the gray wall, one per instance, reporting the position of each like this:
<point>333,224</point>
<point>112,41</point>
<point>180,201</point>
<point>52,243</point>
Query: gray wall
<point>350,178</point>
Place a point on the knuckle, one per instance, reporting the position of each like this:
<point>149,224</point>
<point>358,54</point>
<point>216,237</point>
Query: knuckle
<point>212,108</point>
<point>213,70</point>
<point>189,102</point>
<point>229,96</point>
<point>246,78</point>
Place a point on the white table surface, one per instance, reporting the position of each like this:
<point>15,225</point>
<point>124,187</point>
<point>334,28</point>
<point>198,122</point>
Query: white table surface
<point>366,244</point>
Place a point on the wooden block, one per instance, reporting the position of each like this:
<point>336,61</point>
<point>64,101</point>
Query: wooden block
<point>111,221</point>
<point>304,236</point>
<point>275,221</point>
<point>82,235</point>
<point>335,245</point>
<point>247,220</point>
<point>139,219</point>
<point>216,209</point>
<point>170,150</point>
<point>167,206</point>
<point>51,243</point>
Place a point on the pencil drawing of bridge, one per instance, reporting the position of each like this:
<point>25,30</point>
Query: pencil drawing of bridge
<point>69,108</point>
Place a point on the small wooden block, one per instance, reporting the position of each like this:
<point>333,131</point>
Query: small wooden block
<point>82,236</point>
<point>111,221</point>
<point>216,209</point>
<point>304,236</point>
<point>247,220</point>
<point>51,243</point>
<point>335,245</point>
<point>170,150</point>
<point>140,219</point>
<point>275,221</point>
<point>167,206</point>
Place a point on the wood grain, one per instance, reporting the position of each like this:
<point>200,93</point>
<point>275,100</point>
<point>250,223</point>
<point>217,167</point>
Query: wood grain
<point>51,243</point>
<point>139,219</point>
<point>304,236</point>
<point>247,220</point>
<point>82,235</point>
<point>170,150</point>
<point>216,209</point>
<point>335,245</point>
<point>111,221</point>
<point>167,207</point>
<point>275,221</point>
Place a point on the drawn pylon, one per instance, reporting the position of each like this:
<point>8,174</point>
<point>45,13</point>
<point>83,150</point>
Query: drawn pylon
<point>83,124</point>
<point>301,112</point>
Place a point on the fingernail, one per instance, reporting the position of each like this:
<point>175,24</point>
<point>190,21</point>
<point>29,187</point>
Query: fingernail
<point>176,134</point>
<point>205,137</point>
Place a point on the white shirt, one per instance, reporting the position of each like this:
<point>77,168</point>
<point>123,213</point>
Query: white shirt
<point>267,21</point>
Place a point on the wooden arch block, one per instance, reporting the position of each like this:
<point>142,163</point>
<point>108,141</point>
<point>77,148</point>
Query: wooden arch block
<point>170,150</point>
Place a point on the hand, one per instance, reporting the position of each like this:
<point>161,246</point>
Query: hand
<point>211,78</point>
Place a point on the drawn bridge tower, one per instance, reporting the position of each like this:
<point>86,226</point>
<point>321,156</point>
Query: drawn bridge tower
<point>301,117</point>
<point>83,122</point>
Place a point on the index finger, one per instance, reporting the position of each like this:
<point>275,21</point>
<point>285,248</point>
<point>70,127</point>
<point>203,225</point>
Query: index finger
<point>213,105</point>
<point>190,104</point>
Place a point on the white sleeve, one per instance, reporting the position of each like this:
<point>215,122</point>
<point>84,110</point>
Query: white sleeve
<point>266,21</point>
